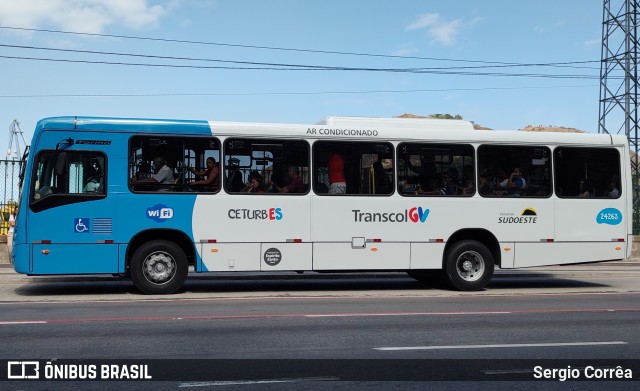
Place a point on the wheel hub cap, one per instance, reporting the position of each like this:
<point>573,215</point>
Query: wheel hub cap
<point>159,267</point>
<point>470,266</point>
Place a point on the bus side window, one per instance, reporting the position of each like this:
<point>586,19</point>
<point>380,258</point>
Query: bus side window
<point>186,157</point>
<point>434,169</point>
<point>77,176</point>
<point>587,172</point>
<point>352,167</point>
<point>515,170</point>
<point>268,163</point>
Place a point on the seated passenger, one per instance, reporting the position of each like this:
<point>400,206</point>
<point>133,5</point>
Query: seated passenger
<point>94,183</point>
<point>449,186</point>
<point>612,191</point>
<point>515,180</point>
<point>163,175</point>
<point>255,183</point>
<point>210,174</point>
<point>92,186</point>
<point>404,186</point>
<point>235,184</point>
<point>295,184</point>
<point>469,184</point>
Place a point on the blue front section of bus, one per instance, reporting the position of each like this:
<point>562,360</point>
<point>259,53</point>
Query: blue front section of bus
<point>92,236</point>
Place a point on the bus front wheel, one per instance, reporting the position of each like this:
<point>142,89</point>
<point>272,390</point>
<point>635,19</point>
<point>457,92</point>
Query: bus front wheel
<point>469,265</point>
<point>158,267</point>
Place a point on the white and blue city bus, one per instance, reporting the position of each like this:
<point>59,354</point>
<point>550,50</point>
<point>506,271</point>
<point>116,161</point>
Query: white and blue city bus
<point>433,198</point>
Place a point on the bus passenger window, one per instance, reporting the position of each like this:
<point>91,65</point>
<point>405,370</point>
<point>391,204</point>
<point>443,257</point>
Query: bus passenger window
<point>353,167</point>
<point>587,172</point>
<point>514,171</point>
<point>259,166</point>
<point>174,164</point>
<point>430,169</point>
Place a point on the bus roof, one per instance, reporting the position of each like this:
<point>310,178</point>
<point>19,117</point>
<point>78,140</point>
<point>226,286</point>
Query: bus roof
<point>345,128</point>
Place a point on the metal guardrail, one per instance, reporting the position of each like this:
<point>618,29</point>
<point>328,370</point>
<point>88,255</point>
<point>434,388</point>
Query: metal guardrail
<point>9,191</point>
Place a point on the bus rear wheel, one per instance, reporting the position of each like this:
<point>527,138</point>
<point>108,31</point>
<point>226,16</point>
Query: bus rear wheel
<point>158,267</point>
<point>469,265</point>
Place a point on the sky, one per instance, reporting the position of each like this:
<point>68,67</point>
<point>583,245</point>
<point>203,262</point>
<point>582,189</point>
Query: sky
<point>298,61</point>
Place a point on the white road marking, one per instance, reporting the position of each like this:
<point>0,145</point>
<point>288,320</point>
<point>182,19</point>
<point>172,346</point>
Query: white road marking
<point>405,314</point>
<point>24,322</point>
<point>248,382</point>
<point>515,345</point>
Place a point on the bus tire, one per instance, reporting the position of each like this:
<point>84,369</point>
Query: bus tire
<point>158,267</point>
<point>468,265</point>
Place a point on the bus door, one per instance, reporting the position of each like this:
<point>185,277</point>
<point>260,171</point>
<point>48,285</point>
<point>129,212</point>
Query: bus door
<point>357,234</point>
<point>70,225</point>
<point>262,220</point>
<point>515,182</point>
<point>253,233</point>
<point>357,225</point>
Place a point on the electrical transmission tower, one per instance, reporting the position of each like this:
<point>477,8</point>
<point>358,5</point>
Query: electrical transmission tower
<point>15,135</point>
<point>619,82</point>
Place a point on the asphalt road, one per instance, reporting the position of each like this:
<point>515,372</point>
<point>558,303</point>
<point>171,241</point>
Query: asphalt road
<point>603,277</point>
<point>382,327</point>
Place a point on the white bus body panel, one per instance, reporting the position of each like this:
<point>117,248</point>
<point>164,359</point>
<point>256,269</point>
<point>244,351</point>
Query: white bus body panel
<point>507,255</point>
<point>373,256</point>
<point>230,257</point>
<point>543,254</point>
<point>244,231</point>
<point>427,255</point>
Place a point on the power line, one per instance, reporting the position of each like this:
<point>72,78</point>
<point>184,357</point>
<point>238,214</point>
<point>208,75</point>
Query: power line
<point>168,40</point>
<point>310,68</point>
<point>273,64</point>
<point>287,93</point>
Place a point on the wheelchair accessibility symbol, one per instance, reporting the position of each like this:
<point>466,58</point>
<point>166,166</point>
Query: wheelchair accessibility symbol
<point>82,225</point>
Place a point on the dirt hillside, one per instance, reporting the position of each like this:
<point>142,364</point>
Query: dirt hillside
<point>528,128</point>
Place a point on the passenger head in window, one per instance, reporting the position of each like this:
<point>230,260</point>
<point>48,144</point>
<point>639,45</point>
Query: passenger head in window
<point>612,190</point>
<point>515,180</point>
<point>256,183</point>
